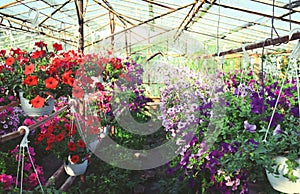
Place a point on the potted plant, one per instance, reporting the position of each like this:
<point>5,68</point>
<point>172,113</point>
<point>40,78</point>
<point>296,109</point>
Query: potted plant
<point>40,75</point>
<point>61,136</point>
<point>238,152</point>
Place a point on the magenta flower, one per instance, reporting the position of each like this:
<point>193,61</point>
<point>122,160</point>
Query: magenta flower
<point>7,181</point>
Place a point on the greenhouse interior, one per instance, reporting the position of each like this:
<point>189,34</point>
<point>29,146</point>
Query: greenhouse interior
<point>184,96</point>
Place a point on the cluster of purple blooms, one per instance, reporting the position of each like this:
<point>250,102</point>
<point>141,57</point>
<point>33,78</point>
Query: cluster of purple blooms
<point>10,119</point>
<point>188,106</point>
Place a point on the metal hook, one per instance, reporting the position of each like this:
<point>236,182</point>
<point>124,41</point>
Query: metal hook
<point>246,56</point>
<point>296,51</point>
<point>24,142</point>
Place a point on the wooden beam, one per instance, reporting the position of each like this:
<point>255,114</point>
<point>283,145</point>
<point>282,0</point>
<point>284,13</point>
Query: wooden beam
<point>268,42</point>
<point>51,14</point>
<point>150,37</point>
<point>112,25</point>
<point>158,4</point>
<point>79,10</point>
<point>33,30</point>
<point>277,4</point>
<point>16,134</point>
<point>110,9</point>
<point>257,13</point>
<point>189,17</point>
<point>10,4</point>
<point>145,22</point>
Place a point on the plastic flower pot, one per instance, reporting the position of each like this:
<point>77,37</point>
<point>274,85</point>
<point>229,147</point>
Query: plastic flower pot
<point>75,169</point>
<point>31,111</point>
<point>281,183</point>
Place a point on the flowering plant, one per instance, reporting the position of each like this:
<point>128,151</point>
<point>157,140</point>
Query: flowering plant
<point>39,74</point>
<point>239,150</point>
<point>106,83</point>
<point>30,177</point>
<point>270,124</point>
<point>5,96</point>
<point>60,136</point>
<point>10,119</point>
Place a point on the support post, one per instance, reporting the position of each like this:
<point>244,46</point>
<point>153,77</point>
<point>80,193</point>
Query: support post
<point>79,8</point>
<point>112,25</point>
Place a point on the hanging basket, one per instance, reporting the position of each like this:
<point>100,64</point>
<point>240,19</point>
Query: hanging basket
<point>279,182</point>
<point>30,111</point>
<point>75,169</point>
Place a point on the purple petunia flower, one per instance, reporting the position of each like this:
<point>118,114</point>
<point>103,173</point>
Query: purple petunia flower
<point>295,111</point>
<point>248,127</point>
<point>276,118</point>
<point>257,104</point>
<point>277,130</point>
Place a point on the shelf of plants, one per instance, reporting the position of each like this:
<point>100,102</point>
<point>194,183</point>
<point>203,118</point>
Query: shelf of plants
<point>238,124</point>
<point>128,102</point>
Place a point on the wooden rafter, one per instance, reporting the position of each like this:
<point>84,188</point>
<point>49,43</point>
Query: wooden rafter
<point>112,25</point>
<point>9,4</point>
<point>249,24</point>
<point>145,22</point>
<point>46,2</point>
<point>110,9</point>
<point>55,11</point>
<point>268,42</point>
<point>31,29</point>
<point>159,4</point>
<point>256,13</point>
<point>40,9</point>
<point>79,10</point>
<point>150,37</point>
<point>276,4</point>
<point>189,17</point>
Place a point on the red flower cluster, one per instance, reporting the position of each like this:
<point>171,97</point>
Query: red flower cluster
<point>61,137</point>
<point>42,72</point>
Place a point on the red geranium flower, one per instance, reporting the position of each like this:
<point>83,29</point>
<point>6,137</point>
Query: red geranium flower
<point>2,52</point>
<point>40,44</point>
<point>40,137</point>
<point>57,47</point>
<point>60,137</point>
<point>81,143</point>
<point>49,146</point>
<point>51,138</point>
<point>65,76</point>
<point>75,158</point>
<point>31,80</point>
<point>70,81</point>
<point>72,146</point>
<point>100,86</point>
<point>37,102</point>
<point>29,69</point>
<point>51,83</point>
<point>9,61</point>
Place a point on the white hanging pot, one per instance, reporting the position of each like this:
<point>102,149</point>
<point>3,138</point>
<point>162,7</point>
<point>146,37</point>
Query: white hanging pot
<point>279,182</point>
<point>30,111</point>
<point>75,169</point>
